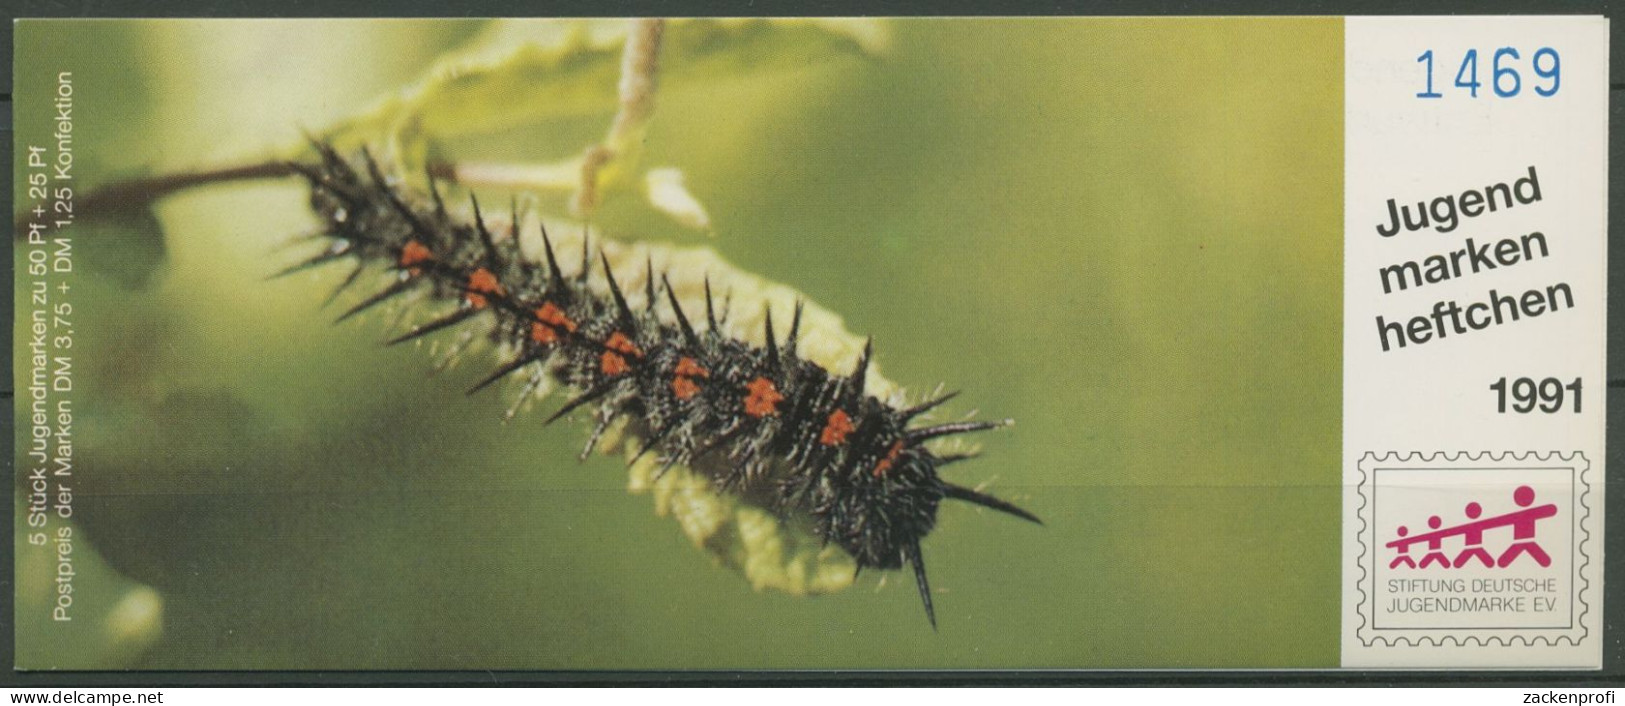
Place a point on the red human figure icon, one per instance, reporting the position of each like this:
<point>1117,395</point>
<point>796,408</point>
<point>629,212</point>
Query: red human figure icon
<point>1434,556</point>
<point>1474,534</point>
<point>1404,552</point>
<point>1523,528</point>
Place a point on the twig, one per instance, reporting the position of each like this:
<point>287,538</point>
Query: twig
<point>135,194</point>
<point>640,63</point>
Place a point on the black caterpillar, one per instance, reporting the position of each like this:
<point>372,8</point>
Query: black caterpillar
<point>792,436</point>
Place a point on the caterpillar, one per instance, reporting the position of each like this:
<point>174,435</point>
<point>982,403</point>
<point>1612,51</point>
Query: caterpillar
<point>778,429</point>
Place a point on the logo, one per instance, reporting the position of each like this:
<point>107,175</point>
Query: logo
<point>1473,549</point>
<point>1518,525</point>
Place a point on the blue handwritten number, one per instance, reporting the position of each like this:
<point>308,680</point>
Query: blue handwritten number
<point>1427,57</point>
<point>1469,68</point>
<point>1554,73</point>
<point>1506,71</point>
<point>1506,76</point>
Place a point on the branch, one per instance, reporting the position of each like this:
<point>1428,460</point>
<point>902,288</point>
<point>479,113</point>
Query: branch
<point>134,194</point>
<point>640,62</point>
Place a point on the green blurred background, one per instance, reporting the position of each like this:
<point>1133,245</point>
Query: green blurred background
<point>1125,234</point>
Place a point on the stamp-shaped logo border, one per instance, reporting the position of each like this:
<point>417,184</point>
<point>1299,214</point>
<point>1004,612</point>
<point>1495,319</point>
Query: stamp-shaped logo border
<point>1448,550</point>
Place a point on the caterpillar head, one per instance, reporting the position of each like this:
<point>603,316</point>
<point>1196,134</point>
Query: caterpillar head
<point>889,496</point>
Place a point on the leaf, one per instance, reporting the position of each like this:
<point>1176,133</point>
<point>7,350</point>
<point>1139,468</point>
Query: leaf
<point>523,72</point>
<point>770,552</point>
<point>739,533</point>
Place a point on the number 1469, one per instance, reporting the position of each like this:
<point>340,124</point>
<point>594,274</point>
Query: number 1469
<point>1504,74</point>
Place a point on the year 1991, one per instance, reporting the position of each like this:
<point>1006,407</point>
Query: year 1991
<point>1549,395</point>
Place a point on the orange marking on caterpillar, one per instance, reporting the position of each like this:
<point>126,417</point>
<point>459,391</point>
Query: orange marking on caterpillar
<point>684,388</point>
<point>891,458</point>
<point>612,364</point>
<point>414,254</point>
<point>764,398</point>
<point>687,366</point>
<point>543,334</point>
<point>553,316</point>
<point>683,385</point>
<point>836,429</point>
<point>619,342</point>
<point>481,283</point>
